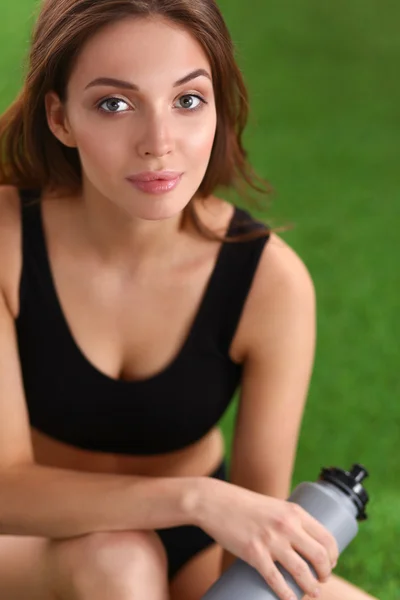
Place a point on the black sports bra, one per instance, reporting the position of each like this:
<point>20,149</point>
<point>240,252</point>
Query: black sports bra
<point>70,400</point>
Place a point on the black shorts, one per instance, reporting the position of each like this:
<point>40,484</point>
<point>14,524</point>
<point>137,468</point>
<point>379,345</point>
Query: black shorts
<point>183,542</point>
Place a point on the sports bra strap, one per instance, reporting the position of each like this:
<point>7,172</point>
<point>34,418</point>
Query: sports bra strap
<point>229,285</point>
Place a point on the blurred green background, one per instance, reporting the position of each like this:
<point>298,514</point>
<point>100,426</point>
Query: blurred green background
<point>324,130</point>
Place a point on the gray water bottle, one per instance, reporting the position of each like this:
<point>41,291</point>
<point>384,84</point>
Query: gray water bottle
<point>337,500</point>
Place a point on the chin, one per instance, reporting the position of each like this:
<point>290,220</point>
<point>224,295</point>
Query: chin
<point>156,209</point>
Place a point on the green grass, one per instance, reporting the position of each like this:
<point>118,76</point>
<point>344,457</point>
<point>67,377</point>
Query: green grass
<point>325,94</point>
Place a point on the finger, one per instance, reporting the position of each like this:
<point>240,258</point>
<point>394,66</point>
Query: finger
<point>275,579</point>
<point>321,535</point>
<point>314,552</point>
<point>300,571</point>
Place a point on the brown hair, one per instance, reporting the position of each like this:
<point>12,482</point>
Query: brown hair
<point>32,157</point>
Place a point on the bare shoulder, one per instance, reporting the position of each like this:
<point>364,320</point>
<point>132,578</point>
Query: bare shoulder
<point>10,245</point>
<point>280,270</point>
<point>281,294</point>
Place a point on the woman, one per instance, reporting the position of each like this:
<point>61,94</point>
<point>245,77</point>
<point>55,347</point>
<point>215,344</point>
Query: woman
<point>127,321</point>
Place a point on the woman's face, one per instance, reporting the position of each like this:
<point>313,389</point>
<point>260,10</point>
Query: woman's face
<point>155,121</point>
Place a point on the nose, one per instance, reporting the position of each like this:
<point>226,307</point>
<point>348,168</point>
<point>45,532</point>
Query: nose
<point>156,137</point>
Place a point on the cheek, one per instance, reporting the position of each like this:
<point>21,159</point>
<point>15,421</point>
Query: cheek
<point>199,142</point>
<point>100,147</point>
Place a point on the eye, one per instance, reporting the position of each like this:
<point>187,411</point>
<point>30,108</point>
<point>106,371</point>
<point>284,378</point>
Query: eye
<point>188,102</point>
<point>112,105</point>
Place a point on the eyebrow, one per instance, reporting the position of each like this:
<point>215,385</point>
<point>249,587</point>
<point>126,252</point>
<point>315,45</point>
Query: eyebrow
<point>110,81</point>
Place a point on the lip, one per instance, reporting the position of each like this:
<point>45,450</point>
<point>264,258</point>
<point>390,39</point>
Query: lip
<point>156,182</point>
<point>155,176</point>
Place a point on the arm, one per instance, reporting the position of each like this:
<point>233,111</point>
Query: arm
<point>50,502</point>
<point>277,332</point>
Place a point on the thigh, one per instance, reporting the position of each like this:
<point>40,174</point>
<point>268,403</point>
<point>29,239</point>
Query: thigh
<point>22,568</point>
<point>337,588</point>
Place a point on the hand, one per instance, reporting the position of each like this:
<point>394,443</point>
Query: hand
<point>261,530</point>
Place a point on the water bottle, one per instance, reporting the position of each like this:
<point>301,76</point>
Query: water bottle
<point>337,500</point>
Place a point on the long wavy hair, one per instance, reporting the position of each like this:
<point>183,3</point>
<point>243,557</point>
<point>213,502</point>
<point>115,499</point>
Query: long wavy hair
<point>32,157</point>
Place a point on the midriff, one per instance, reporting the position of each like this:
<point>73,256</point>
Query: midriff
<point>198,459</point>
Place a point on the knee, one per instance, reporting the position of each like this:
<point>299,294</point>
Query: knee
<point>123,552</point>
<point>113,560</point>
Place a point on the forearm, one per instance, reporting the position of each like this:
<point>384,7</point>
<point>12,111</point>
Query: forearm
<point>57,503</point>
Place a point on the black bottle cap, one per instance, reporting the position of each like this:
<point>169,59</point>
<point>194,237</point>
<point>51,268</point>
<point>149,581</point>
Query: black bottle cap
<point>350,483</point>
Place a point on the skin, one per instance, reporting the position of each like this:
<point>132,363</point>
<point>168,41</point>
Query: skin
<point>135,249</point>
